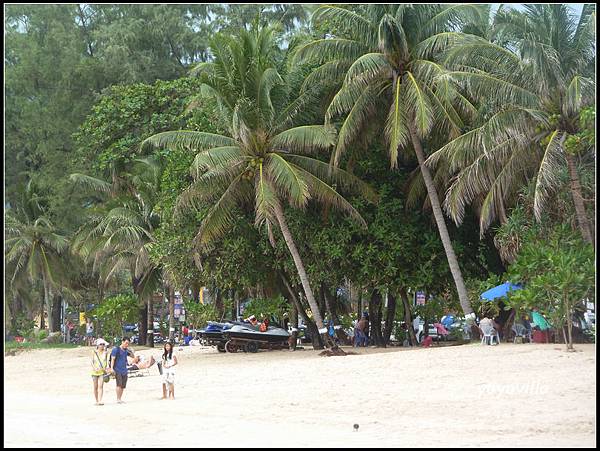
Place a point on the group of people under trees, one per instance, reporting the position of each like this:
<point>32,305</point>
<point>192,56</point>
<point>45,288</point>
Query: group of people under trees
<point>121,361</point>
<point>488,322</point>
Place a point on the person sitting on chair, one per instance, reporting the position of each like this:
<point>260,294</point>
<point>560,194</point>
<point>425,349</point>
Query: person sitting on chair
<point>488,325</point>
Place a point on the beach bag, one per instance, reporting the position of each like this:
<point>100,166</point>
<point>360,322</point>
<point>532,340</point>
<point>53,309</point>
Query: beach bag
<point>106,378</point>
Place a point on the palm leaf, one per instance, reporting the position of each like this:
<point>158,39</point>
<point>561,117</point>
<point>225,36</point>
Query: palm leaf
<point>548,179</point>
<point>354,122</point>
<point>306,139</point>
<point>187,140</point>
<point>396,126</point>
<point>419,105</point>
<point>581,91</point>
<point>287,179</point>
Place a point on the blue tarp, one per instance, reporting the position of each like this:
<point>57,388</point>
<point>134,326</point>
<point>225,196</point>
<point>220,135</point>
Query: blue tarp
<point>499,291</point>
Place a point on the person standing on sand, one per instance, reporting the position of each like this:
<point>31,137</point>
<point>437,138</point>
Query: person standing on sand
<point>118,359</point>
<point>168,374</point>
<point>89,332</point>
<point>99,369</point>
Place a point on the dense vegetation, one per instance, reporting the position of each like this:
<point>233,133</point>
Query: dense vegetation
<point>330,159</point>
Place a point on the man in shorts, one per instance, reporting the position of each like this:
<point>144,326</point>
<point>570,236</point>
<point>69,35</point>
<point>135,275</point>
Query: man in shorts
<point>118,365</point>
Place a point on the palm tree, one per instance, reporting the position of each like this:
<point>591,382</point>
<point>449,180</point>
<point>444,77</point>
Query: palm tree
<point>534,89</point>
<point>118,237</point>
<point>384,54</point>
<point>34,248</point>
<point>267,159</point>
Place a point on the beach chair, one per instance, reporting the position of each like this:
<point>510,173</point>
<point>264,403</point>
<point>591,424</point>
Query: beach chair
<point>521,331</point>
<point>138,373</point>
<point>489,334</point>
<point>142,371</point>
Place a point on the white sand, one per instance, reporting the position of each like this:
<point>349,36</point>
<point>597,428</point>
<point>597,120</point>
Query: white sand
<point>501,396</point>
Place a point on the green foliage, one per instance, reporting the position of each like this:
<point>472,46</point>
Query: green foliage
<point>22,326</point>
<point>114,312</point>
<point>491,309</point>
<point>557,273</point>
<point>432,310</point>
<point>347,321</point>
<point>82,94</point>
<point>125,115</point>
<point>265,308</point>
<point>198,314</point>
<point>577,144</point>
<point>591,333</point>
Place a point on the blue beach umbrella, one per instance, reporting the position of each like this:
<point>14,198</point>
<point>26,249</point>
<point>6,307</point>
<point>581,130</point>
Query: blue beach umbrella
<point>500,291</point>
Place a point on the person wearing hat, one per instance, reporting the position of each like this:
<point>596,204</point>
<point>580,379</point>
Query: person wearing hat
<point>99,369</point>
<point>252,320</point>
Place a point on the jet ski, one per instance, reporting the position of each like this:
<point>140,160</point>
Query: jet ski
<point>212,334</point>
<point>250,338</point>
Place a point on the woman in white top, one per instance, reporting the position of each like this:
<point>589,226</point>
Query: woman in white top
<point>168,375</point>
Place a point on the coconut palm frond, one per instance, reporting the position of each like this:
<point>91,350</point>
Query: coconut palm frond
<point>289,180</point>
<point>321,51</point>
<point>92,183</point>
<point>419,105</point>
<point>396,125</point>
<point>354,122</point>
<point>188,140</point>
<point>327,195</point>
<point>357,25</point>
<point>581,91</point>
<point>547,179</point>
<point>217,156</point>
<point>306,139</point>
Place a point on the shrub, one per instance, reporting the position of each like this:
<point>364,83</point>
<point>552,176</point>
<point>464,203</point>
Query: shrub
<point>557,271</point>
<point>23,326</point>
<point>275,307</point>
<point>199,314</point>
<point>114,312</point>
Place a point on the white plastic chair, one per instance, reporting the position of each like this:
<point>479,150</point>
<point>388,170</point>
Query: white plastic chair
<point>489,333</point>
<point>521,331</point>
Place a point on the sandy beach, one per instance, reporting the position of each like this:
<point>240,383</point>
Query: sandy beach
<point>470,396</point>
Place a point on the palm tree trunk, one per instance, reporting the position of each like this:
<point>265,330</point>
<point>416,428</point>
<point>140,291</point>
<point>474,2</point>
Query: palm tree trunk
<point>582,218</point>
<point>219,303</point>
<point>310,324</point>
<point>443,230</point>
<point>294,320</point>
<point>171,313</point>
<point>45,303</point>
<point>304,279</point>
<point>390,315</point>
<point>42,324</point>
<point>150,336</point>
<point>143,324</point>
<point>375,318</point>
<point>408,319</point>
<point>56,306</point>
